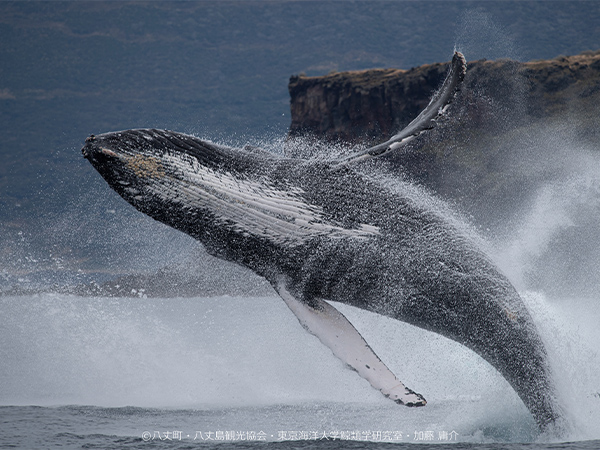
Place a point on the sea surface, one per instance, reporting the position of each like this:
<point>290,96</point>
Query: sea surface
<point>240,372</point>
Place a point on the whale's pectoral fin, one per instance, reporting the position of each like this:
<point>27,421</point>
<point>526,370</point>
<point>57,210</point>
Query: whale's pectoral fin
<point>337,333</point>
<point>426,120</point>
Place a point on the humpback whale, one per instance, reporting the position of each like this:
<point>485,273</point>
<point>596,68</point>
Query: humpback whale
<point>323,230</point>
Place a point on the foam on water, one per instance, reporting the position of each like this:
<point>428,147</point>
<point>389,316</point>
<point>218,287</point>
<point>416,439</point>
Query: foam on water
<point>553,257</point>
<point>250,354</point>
<point>215,353</point>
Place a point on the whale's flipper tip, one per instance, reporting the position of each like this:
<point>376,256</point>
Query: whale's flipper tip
<point>407,397</point>
<point>459,64</point>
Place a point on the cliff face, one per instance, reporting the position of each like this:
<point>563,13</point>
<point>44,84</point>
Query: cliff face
<point>355,105</point>
<point>373,104</point>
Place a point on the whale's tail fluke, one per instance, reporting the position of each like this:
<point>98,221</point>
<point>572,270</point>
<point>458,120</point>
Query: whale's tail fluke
<point>424,121</point>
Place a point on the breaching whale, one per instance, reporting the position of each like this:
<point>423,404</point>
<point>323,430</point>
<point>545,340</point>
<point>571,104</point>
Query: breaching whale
<point>321,230</point>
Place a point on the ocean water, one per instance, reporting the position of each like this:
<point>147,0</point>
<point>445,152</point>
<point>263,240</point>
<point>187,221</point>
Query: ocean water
<point>240,372</point>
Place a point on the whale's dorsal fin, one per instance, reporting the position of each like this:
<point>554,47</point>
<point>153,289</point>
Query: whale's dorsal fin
<point>424,121</point>
<point>336,332</point>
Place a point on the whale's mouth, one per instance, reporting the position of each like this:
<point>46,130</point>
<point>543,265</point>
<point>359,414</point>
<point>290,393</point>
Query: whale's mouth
<point>124,171</point>
<point>96,151</point>
<point>103,157</point>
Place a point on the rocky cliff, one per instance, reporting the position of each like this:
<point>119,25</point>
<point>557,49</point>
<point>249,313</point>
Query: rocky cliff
<point>372,104</point>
